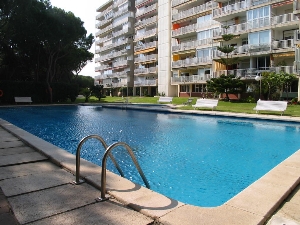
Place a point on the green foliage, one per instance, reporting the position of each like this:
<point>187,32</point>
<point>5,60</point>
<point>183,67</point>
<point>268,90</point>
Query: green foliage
<point>83,81</point>
<point>228,37</point>
<point>225,84</point>
<point>41,43</point>
<point>97,91</point>
<point>37,91</point>
<point>276,82</point>
<point>86,92</point>
<point>226,49</point>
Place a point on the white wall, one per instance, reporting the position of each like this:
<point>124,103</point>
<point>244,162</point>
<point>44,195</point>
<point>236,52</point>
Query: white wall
<point>164,49</point>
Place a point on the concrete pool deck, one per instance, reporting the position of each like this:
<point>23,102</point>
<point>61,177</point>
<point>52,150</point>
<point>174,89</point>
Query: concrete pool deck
<point>35,178</point>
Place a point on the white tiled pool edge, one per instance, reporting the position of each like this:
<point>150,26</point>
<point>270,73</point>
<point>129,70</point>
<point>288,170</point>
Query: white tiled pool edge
<point>254,205</point>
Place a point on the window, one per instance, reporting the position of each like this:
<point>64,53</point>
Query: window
<point>259,38</point>
<point>204,53</point>
<point>259,17</point>
<point>204,34</point>
<point>258,13</point>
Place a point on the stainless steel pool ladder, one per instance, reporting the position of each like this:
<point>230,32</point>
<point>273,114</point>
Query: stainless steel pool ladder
<point>103,173</point>
<point>78,180</point>
<point>104,159</point>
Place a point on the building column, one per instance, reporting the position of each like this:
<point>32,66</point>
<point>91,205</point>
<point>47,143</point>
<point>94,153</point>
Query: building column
<point>164,48</point>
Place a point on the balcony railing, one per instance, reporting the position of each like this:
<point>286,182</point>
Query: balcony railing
<point>103,67</point>
<point>193,11</point>
<point>101,40</point>
<point>145,46</point>
<point>178,2</point>
<point>119,2</point>
<point>296,5</point>
<point>143,35</point>
<point>146,58</point>
<point>245,5</point>
<point>139,2</point>
<point>184,30</point>
<point>254,49</point>
<point>191,79</point>
<point>230,9</point>
<point>103,31</point>
<point>124,20</point>
<point>146,10</point>
<point>104,12</point>
<point>145,70</point>
<point>284,19</point>
<point>251,73</point>
<point>191,45</point>
<point>103,22</point>
<point>145,83</point>
<point>191,62</point>
<point>142,23</point>
<point>121,63</point>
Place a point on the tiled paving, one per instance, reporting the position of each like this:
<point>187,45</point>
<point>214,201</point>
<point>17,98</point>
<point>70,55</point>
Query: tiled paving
<point>36,189</point>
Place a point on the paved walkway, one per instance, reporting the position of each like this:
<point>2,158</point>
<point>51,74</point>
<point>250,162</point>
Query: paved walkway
<point>35,190</point>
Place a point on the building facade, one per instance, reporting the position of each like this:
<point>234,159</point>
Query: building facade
<point>175,43</point>
<point>114,45</point>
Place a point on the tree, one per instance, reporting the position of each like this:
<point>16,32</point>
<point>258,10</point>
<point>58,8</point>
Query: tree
<point>39,42</point>
<point>277,81</point>
<point>287,80</point>
<point>227,50</point>
<point>97,91</point>
<point>225,84</point>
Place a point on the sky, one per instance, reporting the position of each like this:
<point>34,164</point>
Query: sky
<point>86,11</point>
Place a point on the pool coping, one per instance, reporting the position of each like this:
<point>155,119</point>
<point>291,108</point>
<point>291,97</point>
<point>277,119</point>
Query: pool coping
<point>253,205</point>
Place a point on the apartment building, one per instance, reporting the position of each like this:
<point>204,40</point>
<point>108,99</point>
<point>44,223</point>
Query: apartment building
<point>174,44</point>
<point>296,8</point>
<point>114,45</point>
<point>192,46</point>
<point>266,31</point>
<point>152,73</point>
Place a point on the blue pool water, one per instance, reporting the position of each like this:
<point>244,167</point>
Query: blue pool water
<point>199,160</point>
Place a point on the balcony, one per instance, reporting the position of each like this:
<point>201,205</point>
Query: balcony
<point>230,9</point>
<point>122,63</point>
<point>104,12</point>
<point>179,2</point>
<point>145,83</point>
<point>296,6</point>
<point>119,2</point>
<point>191,79</point>
<point>146,22</point>
<point>184,30</point>
<point>190,62</point>
<point>103,67</point>
<point>147,10</point>
<point>281,20</point>
<point>103,23</point>
<point>193,11</point>
<point>121,74</point>
<point>106,38</point>
<point>147,58</point>
<point>146,34</point>
<point>105,30</point>
<point>251,73</point>
<point>124,20</point>
<point>150,45</point>
<point>142,71</point>
<point>191,45</point>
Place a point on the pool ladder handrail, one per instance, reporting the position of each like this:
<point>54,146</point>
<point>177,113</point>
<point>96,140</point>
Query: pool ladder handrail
<point>78,180</point>
<point>103,173</point>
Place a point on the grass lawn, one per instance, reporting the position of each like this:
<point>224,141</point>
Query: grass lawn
<point>236,107</point>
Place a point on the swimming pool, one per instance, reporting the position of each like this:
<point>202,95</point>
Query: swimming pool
<point>199,160</point>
